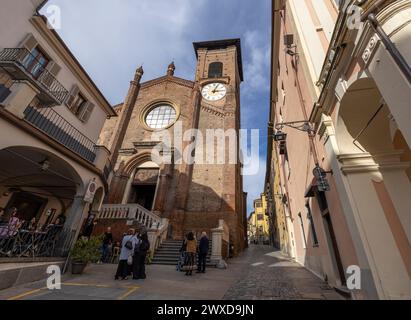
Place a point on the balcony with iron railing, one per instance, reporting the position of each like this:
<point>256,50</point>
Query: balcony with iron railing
<point>56,127</point>
<point>21,65</point>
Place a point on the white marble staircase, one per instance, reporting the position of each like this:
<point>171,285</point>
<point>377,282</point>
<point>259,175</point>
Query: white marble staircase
<point>155,226</point>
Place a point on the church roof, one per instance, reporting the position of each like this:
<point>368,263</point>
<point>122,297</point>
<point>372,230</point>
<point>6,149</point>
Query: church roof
<point>170,78</point>
<point>222,44</point>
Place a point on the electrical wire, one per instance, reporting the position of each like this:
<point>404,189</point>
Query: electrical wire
<point>366,126</point>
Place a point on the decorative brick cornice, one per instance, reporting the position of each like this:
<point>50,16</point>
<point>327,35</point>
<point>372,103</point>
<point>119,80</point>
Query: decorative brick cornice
<point>168,78</point>
<point>213,110</point>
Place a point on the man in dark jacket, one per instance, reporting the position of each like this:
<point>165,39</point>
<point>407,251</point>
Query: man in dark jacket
<point>202,252</point>
<point>107,242</point>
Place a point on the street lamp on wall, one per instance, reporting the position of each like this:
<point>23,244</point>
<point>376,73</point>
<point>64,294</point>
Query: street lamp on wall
<point>280,136</point>
<point>319,173</point>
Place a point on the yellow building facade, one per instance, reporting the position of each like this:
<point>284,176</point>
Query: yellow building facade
<point>259,223</point>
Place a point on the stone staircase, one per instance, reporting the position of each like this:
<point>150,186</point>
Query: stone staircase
<point>168,253</point>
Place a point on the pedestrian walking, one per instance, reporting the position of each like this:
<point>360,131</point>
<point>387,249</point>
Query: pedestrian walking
<point>139,259</point>
<point>127,248</point>
<point>191,253</point>
<point>182,258</point>
<point>107,245</point>
<point>202,252</point>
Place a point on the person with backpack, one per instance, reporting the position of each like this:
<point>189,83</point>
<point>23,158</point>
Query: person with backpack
<point>139,260</point>
<point>191,250</point>
<point>126,254</point>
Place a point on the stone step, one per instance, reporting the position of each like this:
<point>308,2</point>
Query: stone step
<point>174,263</point>
<point>208,264</point>
<point>169,253</point>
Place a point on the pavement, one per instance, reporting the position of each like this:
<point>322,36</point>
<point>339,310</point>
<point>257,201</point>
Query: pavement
<point>258,273</point>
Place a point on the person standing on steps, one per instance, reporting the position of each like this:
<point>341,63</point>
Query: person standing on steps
<point>191,253</point>
<point>202,252</point>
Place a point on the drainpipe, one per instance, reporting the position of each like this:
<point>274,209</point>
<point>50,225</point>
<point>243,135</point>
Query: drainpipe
<point>399,59</point>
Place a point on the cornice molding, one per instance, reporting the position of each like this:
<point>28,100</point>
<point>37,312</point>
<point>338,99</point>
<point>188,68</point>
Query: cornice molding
<point>365,162</point>
<point>167,78</point>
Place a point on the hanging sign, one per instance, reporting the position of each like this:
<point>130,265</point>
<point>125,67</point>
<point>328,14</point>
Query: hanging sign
<point>90,192</point>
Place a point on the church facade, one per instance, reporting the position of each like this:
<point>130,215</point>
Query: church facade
<point>192,196</point>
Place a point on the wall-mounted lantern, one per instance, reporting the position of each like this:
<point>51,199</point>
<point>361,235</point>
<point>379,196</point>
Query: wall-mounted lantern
<point>280,136</point>
<point>321,176</point>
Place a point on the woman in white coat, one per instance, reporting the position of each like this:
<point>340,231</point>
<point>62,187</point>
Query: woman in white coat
<point>127,249</point>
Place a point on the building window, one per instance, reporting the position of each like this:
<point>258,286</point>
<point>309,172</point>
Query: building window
<point>312,226</point>
<point>161,116</point>
<point>215,70</point>
<point>35,62</point>
<point>260,217</point>
<point>79,105</point>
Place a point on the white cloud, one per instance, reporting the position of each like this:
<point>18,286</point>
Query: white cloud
<point>112,40</point>
<point>254,184</point>
<point>258,63</point>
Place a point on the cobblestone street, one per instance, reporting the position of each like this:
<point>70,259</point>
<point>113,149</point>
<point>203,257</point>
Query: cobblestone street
<point>269,275</point>
<point>259,273</point>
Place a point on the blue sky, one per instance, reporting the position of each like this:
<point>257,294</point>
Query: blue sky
<point>111,38</point>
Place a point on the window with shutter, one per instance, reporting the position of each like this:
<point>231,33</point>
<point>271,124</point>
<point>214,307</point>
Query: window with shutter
<point>53,68</point>
<point>78,105</point>
<point>29,42</point>
<point>71,98</point>
<point>86,112</point>
<point>35,62</point>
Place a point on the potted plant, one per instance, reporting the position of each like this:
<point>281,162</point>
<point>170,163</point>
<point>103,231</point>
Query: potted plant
<point>84,251</point>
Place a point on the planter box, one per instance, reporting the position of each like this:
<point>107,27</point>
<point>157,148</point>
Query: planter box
<point>78,267</point>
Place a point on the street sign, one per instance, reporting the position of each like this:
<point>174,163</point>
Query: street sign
<point>90,192</point>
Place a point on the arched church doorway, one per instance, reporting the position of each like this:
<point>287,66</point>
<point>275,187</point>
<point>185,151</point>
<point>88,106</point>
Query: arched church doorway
<point>144,185</point>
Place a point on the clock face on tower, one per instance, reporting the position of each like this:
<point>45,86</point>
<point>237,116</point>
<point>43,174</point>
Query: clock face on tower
<point>214,91</point>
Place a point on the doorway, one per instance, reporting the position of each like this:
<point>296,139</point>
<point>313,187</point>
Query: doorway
<point>143,195</point>
<point>330,234</point>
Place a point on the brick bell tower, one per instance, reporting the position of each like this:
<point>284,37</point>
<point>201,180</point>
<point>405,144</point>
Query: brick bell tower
<point>214,190</point>
<point>192,196</point>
